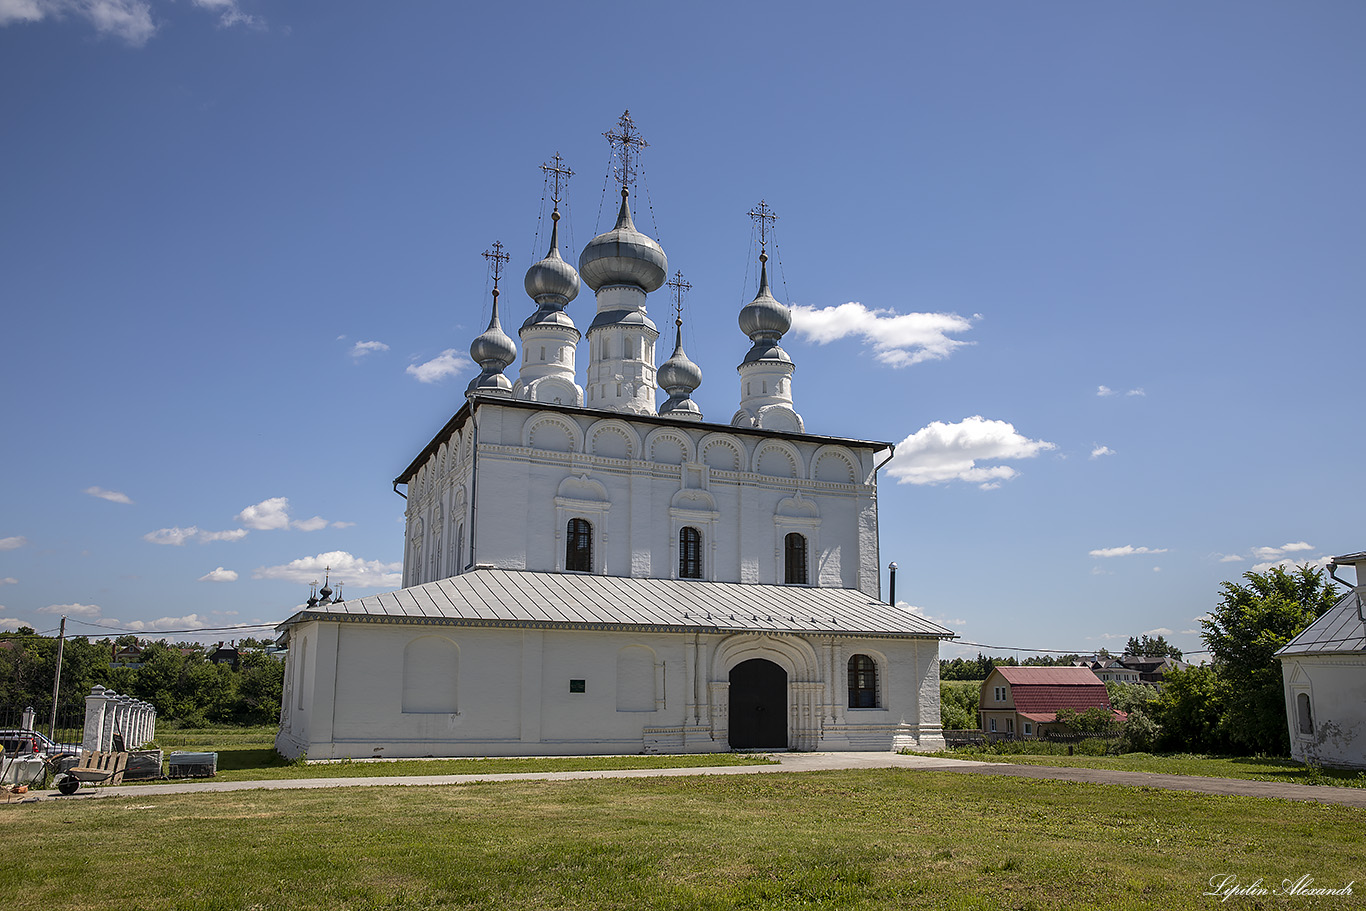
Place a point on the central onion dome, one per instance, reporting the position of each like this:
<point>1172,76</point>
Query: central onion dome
<point>552,281</point>
<point>765,318</point>
<point>623,256</point>
<point>679,373</point>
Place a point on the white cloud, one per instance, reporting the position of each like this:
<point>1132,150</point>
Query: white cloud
<point>175,536</point>
<point>361,349</point>
<point>312,524</point>
<point>266,515</point>
<point>232,534</point>
<point>1157,569</point>
<point>10,623</point>
<point>78,610</point>
<point>219,575</point>
<point>229,14</point>
<point>898,339</point>
<point>1127,550</point>
<point>18,540</point>
<point>343,524</point>
<point>1160,631</point>
<point>943,452</point>
<point>189,621</point>
<point>129,20</point>
<point>1104,391</point>
<point>921,612</point>
<point>1290,563</point>
<point>1269,553</point>
<point>1097,571</point>
<point>447,363</point>
<point>1138,391</point>
<point>1101,451</point>
<point>9,580</point>
<point>113,496</point>
<point>1231,558</point>
<point>354,571</point>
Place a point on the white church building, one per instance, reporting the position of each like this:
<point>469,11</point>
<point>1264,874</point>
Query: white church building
<point>589,570</point>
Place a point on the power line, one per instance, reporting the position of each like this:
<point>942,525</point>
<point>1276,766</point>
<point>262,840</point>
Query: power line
<point>201,629</point>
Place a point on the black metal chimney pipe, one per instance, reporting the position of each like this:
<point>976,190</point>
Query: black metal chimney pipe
<point>892,584</point>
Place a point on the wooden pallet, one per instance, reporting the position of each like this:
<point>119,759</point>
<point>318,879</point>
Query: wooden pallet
<point>100,767</point>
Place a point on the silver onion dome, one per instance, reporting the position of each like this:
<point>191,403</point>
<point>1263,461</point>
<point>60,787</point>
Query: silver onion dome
<point>623,256</point>
<point>493,351</point>
<point>765,317</point>
<point>679,374</point>
<point>552,281</point>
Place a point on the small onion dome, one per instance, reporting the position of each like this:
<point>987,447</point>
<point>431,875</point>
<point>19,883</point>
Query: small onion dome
<point>679,373</point>
<point>765,317</point>
<point>493,349</point>
<point>623,256</point>
<point>552,280</point>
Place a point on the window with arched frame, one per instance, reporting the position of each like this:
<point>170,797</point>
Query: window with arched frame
<point>862,682</point>
<point>689,553</point>
<point>1305,713</point>
<point>578,548</point>
<point>794,559</point>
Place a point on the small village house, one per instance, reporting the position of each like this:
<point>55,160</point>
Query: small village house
<point>1023,702</point>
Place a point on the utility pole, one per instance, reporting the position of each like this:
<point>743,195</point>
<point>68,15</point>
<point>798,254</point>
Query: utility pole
<point>57,682</point>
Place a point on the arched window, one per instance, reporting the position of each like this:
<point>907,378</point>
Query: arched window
<point>578,549</point>
<point>1305,713</point>
<point>689,553</point>
<point>794,559</point>
<point>862,682</point>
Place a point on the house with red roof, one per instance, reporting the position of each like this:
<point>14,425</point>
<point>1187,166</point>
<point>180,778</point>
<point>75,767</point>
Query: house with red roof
<point>1023,702</point>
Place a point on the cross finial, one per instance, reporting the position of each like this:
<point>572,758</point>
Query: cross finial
<point>765,217</point>
<point>680,288</point>
<point>557,167</point>
<point>626,143</point>
<point>496,258</point>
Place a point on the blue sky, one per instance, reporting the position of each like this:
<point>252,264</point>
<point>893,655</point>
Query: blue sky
<point>1097,268</point>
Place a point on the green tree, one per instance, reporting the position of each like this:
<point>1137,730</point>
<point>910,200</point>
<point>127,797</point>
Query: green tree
<point>1148,647</point>
<point>1251,623</point>
<point>1189,709</point>
<point>1095,721</point>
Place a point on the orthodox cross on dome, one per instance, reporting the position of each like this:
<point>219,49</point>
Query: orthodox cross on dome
<point>680,288</point>
<point>496,258</point>
<point>557,167</point>
<point>765,217</point>
<point>626,143</point>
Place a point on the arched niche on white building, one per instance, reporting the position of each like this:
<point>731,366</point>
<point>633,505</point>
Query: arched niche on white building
<point>552,433</point>
<point>835,465</point>
<point>666,446</point>
<point>636,679</point>
<point>459,508</point>
<point>695,508</point>
<point>582,497</point>
<point>777,459</point>
<point>613,439</point>
<point>800,515</point>
<point>722,452</point>
<point>431,676</point>
<point>554,390</point>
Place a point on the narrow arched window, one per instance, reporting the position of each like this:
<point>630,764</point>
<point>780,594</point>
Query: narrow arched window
<point>794,559</point>
<point>689,553</point>
<point>578,550</point>
<point>1305,713</point>
<point>862,682</point>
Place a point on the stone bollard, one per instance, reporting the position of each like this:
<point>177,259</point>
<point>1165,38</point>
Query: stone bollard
<point>97,706</point>
<point>28,718</point>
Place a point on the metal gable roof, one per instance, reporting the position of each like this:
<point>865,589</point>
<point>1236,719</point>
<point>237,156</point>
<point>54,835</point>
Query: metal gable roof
<point>579,600</point>
<point>1340,631</point>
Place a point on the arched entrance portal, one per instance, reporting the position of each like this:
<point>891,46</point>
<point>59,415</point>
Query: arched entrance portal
<point>758,705</point>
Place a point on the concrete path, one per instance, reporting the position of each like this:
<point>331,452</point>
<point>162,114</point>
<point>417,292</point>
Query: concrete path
<point>787,762</point>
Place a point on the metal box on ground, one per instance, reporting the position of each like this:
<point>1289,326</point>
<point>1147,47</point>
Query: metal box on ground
<point>192,765</point>
<point>142,765</point>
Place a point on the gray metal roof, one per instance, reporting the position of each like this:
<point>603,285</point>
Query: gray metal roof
<point>582,601</point>
<point>1339,631</point>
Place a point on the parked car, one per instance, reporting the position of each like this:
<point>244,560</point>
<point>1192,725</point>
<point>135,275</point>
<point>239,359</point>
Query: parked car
<point>21,743</point>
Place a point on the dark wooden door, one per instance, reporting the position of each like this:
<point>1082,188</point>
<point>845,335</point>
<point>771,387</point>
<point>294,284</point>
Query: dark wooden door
<point>758,705</point>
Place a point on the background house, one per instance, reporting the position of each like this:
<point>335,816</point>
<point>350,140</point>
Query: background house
<point>1324,673</point>
<point>1023,702</point>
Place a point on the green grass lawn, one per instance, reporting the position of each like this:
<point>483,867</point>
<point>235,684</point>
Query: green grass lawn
<point>867,839</point>
<point>248,754</point>
<point>1253,768</point>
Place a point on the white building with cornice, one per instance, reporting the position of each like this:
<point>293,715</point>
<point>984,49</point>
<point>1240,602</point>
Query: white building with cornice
<point>589,569</point>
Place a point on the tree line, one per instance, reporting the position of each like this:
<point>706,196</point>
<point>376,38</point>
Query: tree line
<point>178,679</point>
